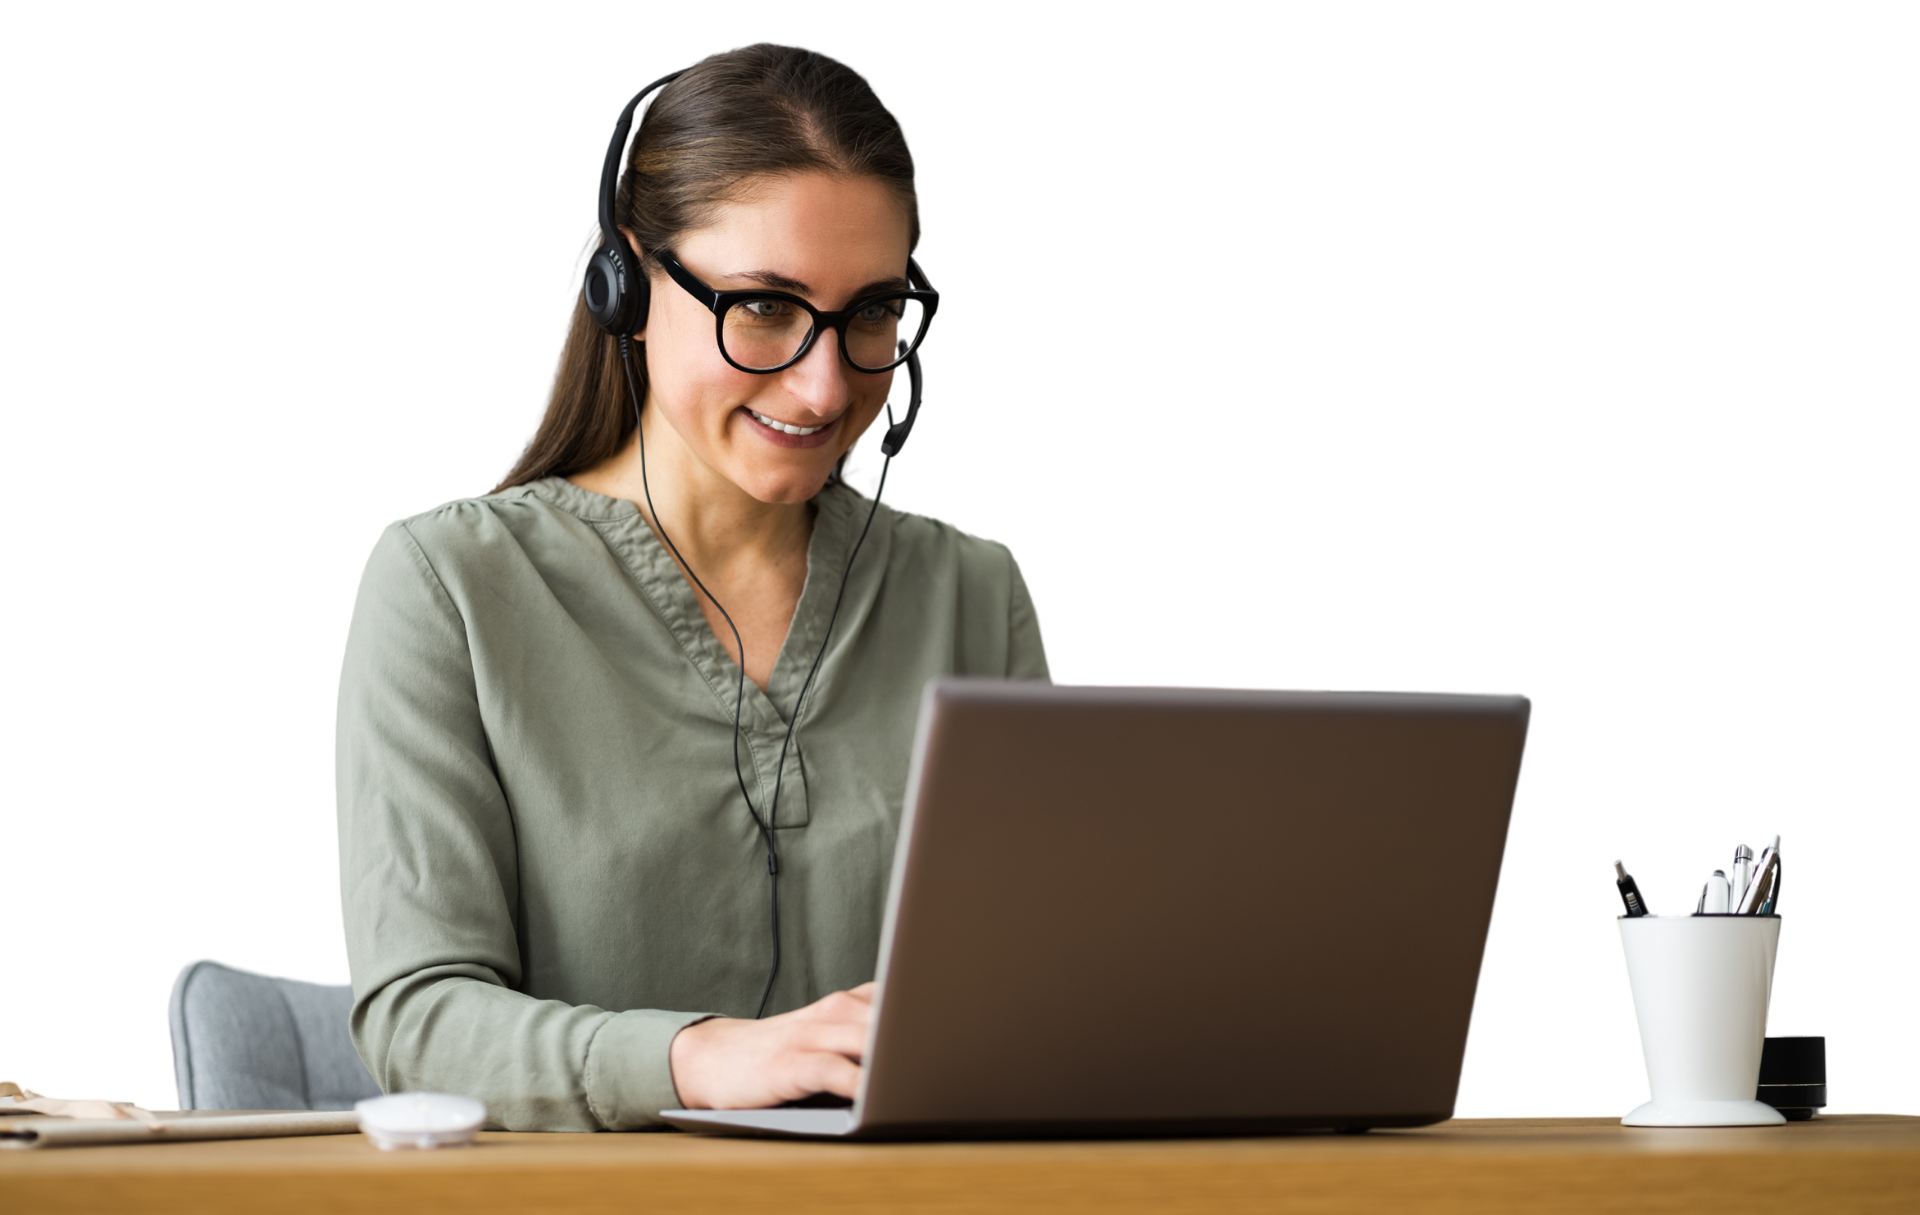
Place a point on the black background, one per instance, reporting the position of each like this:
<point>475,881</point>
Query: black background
<point>1272,369</point>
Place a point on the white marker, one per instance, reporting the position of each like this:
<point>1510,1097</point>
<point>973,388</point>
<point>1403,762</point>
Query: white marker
<point>1717,894</point>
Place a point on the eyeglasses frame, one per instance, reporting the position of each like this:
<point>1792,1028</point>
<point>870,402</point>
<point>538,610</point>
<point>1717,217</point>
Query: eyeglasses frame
<point>719,302</point>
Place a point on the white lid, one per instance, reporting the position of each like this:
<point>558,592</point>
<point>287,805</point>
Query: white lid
<point>420,1114</point>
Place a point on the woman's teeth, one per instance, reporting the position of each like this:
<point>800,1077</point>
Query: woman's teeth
<point>768,422</point>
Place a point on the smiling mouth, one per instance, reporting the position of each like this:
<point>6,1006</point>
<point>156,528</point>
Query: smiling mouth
<point>783,428</point>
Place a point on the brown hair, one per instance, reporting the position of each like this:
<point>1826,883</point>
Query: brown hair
<point>728,120</point>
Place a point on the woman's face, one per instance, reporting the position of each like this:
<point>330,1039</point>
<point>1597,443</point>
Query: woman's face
<point>830,240</point>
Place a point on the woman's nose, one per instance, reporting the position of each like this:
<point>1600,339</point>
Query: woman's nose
<point>819,381</point>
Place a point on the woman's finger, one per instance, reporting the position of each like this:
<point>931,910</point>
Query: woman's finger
<point>821,1072</point>
<point>848,1039</point>
<point>840,1006</point>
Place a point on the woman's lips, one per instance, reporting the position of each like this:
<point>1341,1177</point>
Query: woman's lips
<point>780,438</point>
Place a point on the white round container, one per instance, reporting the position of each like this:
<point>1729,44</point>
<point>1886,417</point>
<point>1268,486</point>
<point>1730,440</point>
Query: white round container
<point>420,1120</point>
<point>1701,984</point>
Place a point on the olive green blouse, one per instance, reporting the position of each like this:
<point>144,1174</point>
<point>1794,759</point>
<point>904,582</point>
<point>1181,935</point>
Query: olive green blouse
<point>546,864</point>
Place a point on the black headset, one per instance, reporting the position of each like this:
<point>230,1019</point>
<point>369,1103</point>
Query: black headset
<point>617,295</point>
<point>619,290</point>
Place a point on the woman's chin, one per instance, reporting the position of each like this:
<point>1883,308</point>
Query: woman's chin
<point>783,486</point>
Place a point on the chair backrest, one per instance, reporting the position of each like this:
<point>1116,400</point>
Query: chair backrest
<point>243,1041</point>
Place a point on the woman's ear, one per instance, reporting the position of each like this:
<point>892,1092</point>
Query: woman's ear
<point>640,268</point>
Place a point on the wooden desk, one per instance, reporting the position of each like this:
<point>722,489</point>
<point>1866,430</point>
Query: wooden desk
<point>1829,1166</point>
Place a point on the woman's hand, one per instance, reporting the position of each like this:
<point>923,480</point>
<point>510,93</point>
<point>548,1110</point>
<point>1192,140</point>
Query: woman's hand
<point>729,1064</point>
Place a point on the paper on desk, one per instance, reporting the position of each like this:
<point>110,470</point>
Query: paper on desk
<point>17,1100</point>
<point>33,1121</point>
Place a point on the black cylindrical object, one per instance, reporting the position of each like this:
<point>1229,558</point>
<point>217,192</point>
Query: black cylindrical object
<point>1793,1076</point>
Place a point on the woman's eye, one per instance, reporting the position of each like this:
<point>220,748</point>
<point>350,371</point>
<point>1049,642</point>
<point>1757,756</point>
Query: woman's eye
<point>765,310</point>
<point>877,314</point>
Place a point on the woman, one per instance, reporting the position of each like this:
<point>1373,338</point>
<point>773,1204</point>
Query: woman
<point>556,885</point>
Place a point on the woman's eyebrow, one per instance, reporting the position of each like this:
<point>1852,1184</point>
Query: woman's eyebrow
<point>779,282</point>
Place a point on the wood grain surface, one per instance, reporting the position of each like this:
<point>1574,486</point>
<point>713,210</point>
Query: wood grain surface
<point>1833,1166</point>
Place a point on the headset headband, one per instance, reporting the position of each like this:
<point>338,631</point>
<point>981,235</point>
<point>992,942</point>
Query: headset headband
<point>610,172</point>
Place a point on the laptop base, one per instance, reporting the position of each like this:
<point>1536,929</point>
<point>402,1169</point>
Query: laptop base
<point>841,1124</point>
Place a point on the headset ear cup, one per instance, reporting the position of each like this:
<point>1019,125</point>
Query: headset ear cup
<point>616,290</point>
<point>603,289</point>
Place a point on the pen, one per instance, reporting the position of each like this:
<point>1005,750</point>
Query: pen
<point>1772,905</point>
<point>1742,873</point>
<point>1717,894</point>
<point>1763,893</point>
<point>1629,891</point>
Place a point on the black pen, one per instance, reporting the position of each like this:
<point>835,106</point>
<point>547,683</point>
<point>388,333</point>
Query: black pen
<point>1629,892</point>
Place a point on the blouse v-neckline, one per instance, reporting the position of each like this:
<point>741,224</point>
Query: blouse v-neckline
<point>676,602</point>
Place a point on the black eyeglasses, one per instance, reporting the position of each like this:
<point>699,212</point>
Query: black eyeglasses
<point>767,331</point>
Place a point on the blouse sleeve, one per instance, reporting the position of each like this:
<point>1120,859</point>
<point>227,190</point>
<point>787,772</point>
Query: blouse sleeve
<point>1026,657</point>
<point>430,889</point>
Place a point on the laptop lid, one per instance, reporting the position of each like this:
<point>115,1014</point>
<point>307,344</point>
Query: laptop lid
<point>1133,910</point>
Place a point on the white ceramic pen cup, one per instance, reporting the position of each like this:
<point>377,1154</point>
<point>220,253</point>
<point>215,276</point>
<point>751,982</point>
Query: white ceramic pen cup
<point>1700,989</point>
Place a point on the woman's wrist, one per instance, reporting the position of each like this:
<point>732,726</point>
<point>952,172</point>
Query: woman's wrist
<point>685,1060</point>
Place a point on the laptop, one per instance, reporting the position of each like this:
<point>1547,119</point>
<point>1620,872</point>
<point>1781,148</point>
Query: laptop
<point>1157,911</point>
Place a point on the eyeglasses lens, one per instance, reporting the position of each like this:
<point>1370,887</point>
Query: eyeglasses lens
<point>760,334</point>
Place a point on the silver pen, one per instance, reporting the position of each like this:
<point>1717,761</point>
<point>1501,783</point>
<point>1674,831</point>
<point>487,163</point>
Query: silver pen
<point>1762,896</point>
<point>1742,873</point>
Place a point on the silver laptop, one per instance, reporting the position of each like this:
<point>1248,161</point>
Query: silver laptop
<point>1152,911</point>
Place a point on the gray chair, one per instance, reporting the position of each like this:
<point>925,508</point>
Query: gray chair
<point>243,1041</point>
